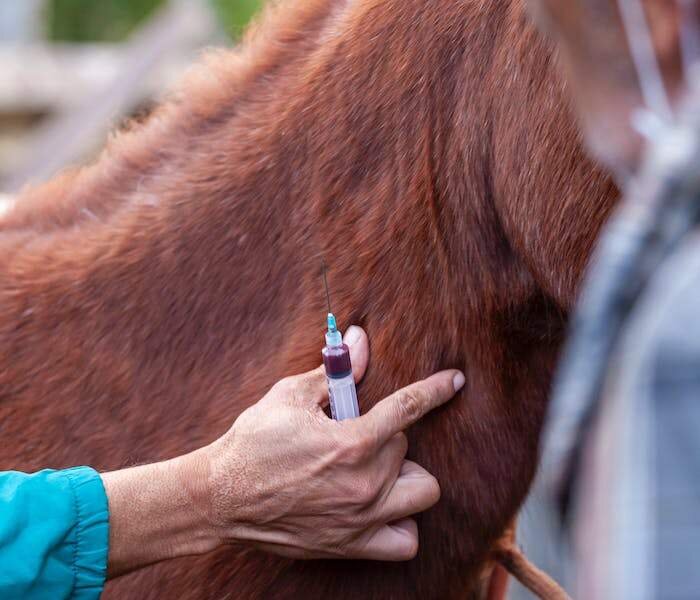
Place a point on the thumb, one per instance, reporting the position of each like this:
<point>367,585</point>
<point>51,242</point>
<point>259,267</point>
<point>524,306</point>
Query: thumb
<point>358,342</point>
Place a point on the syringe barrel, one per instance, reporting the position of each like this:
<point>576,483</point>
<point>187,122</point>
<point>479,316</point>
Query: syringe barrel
<point>341,384</point>
<point>343,398</point>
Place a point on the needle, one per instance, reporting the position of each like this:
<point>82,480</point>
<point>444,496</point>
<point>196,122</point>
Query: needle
<point>325,281</point>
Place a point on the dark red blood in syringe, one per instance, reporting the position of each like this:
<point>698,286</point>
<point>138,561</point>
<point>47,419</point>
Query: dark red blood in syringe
<point>336,359</point>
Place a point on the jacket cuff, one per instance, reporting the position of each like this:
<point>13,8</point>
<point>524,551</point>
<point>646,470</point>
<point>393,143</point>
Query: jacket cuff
<point>92,532</point>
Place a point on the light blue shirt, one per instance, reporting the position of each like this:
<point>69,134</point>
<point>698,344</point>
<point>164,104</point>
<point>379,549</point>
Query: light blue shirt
<point>54,535</point>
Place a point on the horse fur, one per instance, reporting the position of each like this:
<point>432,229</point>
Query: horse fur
<point>426,150</point>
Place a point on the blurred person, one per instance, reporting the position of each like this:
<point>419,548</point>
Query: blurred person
<point>621,445</point>
<point>285,478</point>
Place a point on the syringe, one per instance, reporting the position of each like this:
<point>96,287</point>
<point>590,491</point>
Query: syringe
<point>336,360</point>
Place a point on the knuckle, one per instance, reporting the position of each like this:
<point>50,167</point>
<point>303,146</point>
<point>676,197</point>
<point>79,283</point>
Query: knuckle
<point>340,550</point>
<point>367,491</point>
<point>410,403</point>
<point>372,438</point>
<point>352,451</point>
<point>310,380</point>
<point>299,387</point>
<point>365,445</point>
<point>285,386</point>
<point>361,446</point>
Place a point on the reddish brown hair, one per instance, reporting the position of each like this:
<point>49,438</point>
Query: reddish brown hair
<point>425,150</point>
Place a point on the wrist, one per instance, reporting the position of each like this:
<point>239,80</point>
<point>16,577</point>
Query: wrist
<point>159,512</point>
<point>215,496</point>
<point>194,477</point>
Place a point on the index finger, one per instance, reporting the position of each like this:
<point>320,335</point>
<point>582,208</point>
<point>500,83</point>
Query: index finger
<point>403,408</point>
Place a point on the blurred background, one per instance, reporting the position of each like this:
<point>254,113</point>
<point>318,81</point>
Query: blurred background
<point>72,70</point>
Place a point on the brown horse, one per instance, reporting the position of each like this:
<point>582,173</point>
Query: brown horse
<point>425,149</point>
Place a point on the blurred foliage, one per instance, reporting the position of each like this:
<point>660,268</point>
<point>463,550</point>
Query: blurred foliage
<point>235,14</point>
<point>101,20</point>
<point>113,20</point>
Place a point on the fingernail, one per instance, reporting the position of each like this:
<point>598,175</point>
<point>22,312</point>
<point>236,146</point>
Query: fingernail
<point>458,381</point>
<point>352,335</point>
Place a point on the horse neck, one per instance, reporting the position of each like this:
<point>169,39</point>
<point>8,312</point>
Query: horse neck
<point>311,140</point>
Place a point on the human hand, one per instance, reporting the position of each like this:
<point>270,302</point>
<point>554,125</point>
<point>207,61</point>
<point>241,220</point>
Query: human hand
<point>288,479</point>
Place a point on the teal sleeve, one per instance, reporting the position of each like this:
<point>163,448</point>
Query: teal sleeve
<point>54,534</point>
